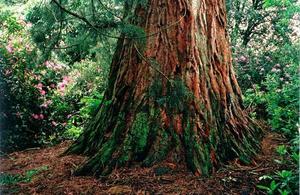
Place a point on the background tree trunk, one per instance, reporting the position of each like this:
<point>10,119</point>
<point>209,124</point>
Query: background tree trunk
<point>176,99</point>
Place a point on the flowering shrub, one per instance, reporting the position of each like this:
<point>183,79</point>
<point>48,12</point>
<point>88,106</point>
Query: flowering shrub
<point>26,87</point>
<point>42,101</point>
<point>78,95</point>
<point>278,92</point>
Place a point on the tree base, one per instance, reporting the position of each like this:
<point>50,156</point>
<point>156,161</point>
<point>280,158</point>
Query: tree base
<point>146,139</point>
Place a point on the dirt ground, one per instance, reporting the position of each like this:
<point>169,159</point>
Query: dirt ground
<point>57,178</point>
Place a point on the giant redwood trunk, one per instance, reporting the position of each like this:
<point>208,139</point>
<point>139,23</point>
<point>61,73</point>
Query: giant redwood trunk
<point>175,99</point>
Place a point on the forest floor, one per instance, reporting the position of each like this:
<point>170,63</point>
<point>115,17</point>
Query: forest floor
<point>46,172</point>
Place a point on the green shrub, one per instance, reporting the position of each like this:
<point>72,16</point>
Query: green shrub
<point>279,93</point>
<point>25,86</point>
<point>77,97</point>
<point>10,179</point>
<point>284,181</point>
<point>40,100</point>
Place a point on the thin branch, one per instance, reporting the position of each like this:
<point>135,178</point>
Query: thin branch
<point>107,9</point>
<point>105,24</point>
<point>66,47</point>
<point>93,9</point>
<point>73,14</point>
<point>149,63</point>
<point>114,24</point>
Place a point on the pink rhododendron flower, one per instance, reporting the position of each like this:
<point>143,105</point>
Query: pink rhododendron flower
<point>41,116</point>
<point>28,24</point>
<point>27,47</point>
<point>35,116</point>
<point>53,66</point>
<point>61,85</point>
<point>39,86</point>
<point>54,123</point>
<point>66,79</point>
<point>43,92</point>
<point>47,63</point>
<point>46,104</point>
<point>10,48</point>
<point>243,59</point>
<point>7,72</point>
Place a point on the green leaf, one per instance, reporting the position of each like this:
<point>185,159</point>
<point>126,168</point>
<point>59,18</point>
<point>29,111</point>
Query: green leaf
<point>263,187</point>
<point>273,185</point>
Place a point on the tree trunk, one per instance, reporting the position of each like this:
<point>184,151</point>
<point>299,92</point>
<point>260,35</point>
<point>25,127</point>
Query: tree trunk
<point>175,99</point>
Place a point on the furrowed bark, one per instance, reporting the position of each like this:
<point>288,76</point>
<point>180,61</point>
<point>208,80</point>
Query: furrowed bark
<point>175,99</point>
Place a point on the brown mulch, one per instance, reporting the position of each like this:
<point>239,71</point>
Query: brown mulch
<point>233,178</point>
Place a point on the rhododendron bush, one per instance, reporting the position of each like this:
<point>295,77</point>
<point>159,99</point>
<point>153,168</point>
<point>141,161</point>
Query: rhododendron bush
<point>42,101</point>
<point>26,87</point>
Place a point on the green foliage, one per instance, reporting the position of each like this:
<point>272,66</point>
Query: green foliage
<point>10,23</point>
<point>73,30</point>
<point>24,87</point>
<point>41,100</point>
<point>278,94</point>
<point>159,171</point>
<point>31,173</point>
<point>270,189</point>
<point>284,181</point>
<point>257,32</point>
<point>132,31</point>
<point>11,179</point>
<point>274,3</point>
<point>78,96</point>
<point>54,85</point>
<point>281,150</point>
<point>67,68</point>
<point>53,28</point>
<point>266,55</point>
<point>76,122</point>
<point>140,131</point>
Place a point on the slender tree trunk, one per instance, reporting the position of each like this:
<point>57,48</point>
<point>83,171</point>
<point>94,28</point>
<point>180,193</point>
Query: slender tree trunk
<point>176,99</point>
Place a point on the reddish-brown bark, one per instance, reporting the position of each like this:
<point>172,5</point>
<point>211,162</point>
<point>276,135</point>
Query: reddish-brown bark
<point>189,43</point>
